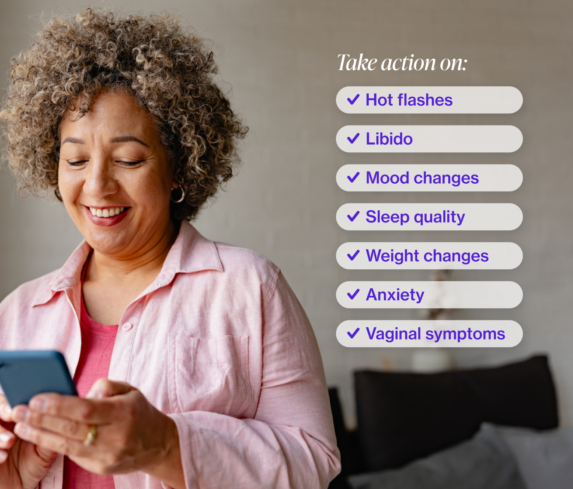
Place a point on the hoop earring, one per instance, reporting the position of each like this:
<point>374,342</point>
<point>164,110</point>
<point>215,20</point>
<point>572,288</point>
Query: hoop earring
<point>181,198</point>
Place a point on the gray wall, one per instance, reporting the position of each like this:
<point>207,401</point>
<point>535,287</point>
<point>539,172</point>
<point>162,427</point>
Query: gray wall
<point>280,59</point>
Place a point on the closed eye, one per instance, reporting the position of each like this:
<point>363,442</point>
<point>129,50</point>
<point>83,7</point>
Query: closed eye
<point>130,163</point>
<point>127,163</point>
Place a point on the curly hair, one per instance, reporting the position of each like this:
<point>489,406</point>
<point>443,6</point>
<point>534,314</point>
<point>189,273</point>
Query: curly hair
<point>168,71</point>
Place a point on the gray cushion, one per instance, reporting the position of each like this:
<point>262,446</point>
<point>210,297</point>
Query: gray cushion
<point>484,462</point>
<point>545,459</point>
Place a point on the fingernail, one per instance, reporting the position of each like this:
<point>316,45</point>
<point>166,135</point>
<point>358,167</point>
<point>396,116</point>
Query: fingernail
<point>5,437</point>
<point>21,414</point>
<point>96,393</point>
<point>7,409</point>
<point>3,456</point>
<point>22,430</point>
<point>38,405</point>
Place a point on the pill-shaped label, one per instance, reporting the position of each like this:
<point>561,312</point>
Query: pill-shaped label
<point>429,100</point>
<point>429,334</point>
<point>429,139</point>
<point>429,178</point>
<point>429,217</point>
<point>429,295</point>
<point>429,256</point>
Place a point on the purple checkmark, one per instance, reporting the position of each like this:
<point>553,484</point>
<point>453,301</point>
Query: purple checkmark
<point>351,101</point>
<point>353,178</point>
<point>354,138</point>
<point>352,335</point>
<point>352,256</point>
<point>352,296</point>
<point>353,217</point>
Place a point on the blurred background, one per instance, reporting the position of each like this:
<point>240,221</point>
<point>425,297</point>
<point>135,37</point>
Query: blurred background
<point>278,60</point>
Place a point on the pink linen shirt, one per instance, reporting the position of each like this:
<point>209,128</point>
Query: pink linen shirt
<point>218,342</point>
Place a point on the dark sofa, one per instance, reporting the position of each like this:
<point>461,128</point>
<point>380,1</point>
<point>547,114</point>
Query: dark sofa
<point>403,417</point>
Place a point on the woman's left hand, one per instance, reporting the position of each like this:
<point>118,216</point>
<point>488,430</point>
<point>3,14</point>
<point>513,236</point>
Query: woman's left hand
<point>132,435</point>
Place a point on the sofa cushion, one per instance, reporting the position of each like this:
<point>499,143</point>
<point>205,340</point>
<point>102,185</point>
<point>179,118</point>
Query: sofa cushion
<point>406,416</point>
<point>544,458</point>
<point>484,462</point>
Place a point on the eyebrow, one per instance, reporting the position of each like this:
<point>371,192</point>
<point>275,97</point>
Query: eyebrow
<point>119,139</point>
<point>126,139</point>
<point>73,140</point>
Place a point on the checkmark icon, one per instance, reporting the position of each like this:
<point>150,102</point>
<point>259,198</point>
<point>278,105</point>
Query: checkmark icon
<point>352,256</point>
<point>352,100</point>
<point>353,217</point>
<point>352,296</point>
<point>352,178</point>
<point>352,335</point>
<point>354,138</point>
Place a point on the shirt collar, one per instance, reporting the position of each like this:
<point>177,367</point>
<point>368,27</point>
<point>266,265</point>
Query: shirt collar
<point>190,253</point>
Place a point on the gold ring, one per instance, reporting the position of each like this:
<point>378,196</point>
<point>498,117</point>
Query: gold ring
<point>91,436</point>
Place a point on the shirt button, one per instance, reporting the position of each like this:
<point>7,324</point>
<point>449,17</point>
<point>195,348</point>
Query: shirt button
<point>127,326</point>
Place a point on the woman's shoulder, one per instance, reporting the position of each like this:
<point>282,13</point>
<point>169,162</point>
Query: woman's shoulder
<point>242,262</point>
<point>199,253</point>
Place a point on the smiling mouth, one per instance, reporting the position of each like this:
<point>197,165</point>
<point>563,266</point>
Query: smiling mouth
<point>108,212</point>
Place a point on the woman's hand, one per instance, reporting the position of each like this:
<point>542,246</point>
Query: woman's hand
<point>132,435</point>
<point>22,465</point>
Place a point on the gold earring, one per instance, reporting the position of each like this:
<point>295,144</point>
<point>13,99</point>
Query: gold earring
<point>181,198</point>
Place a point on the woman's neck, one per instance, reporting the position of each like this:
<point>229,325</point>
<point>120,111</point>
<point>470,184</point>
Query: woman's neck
<point>143,262</point>
<point>112,283</point>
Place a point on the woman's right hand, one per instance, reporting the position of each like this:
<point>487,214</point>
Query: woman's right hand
<point>22,464</point>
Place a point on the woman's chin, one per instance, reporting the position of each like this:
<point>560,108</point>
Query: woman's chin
<point>108,241</point>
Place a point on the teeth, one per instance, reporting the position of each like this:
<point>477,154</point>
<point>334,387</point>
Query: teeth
<point>106,212</point>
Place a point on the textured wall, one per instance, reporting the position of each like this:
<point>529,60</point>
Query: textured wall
<point>279,59</point>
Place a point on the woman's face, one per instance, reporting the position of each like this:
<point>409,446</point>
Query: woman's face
<point>115,177</point>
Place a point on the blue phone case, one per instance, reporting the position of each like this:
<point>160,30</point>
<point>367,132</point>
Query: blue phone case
<point>25,373</point>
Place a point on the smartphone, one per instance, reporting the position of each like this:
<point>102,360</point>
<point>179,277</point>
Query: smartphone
<point>25,373</point>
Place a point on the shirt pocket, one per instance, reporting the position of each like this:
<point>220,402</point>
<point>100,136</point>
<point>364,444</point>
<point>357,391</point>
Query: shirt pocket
<point>209,374</point>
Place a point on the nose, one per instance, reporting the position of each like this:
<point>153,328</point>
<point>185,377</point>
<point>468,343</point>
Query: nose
<point>100,181</point>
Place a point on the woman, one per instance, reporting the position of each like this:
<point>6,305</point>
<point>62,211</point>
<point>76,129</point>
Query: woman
<point>215,375</point>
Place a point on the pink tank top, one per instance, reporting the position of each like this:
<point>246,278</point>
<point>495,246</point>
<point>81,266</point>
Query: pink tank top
<point>95,357</point>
